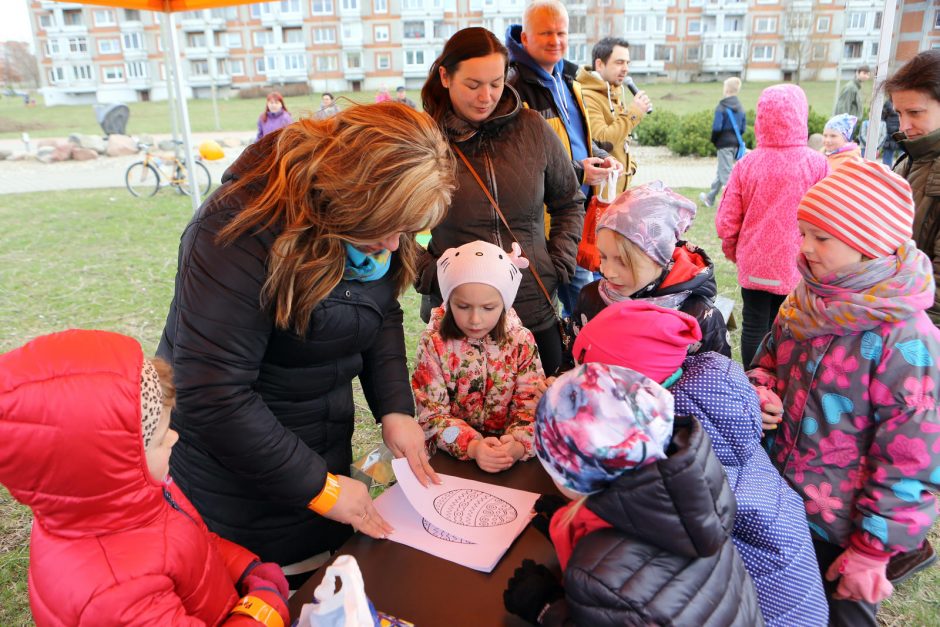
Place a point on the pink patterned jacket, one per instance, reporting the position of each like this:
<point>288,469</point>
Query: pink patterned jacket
<point>756,220</point>
<point>465,388</point>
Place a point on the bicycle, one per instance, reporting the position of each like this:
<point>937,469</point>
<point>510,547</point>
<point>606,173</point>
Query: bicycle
<point>143,178</point>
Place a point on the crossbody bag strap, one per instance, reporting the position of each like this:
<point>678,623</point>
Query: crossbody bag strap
<point>492,200</point>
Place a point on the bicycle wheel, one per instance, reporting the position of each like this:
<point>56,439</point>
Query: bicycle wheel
<point>142,179</point>
<point>202,176</point>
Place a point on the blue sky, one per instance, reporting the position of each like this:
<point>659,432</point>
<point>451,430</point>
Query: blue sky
<point>15,23</point>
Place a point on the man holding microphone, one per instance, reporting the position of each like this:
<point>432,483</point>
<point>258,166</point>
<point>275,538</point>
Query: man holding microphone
<point>611,116</point>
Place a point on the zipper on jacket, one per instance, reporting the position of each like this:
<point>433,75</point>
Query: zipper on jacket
<point>491,180</point>
<point>174,505</point>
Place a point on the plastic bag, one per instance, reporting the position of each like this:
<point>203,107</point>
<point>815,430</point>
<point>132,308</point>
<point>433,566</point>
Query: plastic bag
<point>346,607</point>
<point>375,470</point>
<point>588,255</point>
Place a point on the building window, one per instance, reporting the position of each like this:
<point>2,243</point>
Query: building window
<point>133,41</point>
<point>296,35</point>
<point>662,53</point>
<point>383,61</point>
<point>52,47</point>
<point>112,73</point>
<point>352,32</point>
<point>638,53</point>
<point>295,62</point>
<point>380,32</point>
<point>732,51</point>
<point>326,63</point>
<point>695,27</point>
<point>45,20</point>
<point>57,75</point>
<point>82,72</point>
<point>324,35</point>
<point>579,53</point>
<point>199,68</point>
<point>733,24</point>
<point>444,30</point>
<point>380,6</point>
<point>936,20</point>
<point>578,24</point>
<point>137,69</point>
<point>321,7</point>
<point>853,50</point>
<point>131,15</point>
<point>270,62</point>
<point>349,5</point>
<point>765,25</point>
<point>820,52</point>
<point>874,48</point>
<point>236,67</point>
<point>196,40</point>
<point>855,20</point>
<point>78,45</point>
<point>72,17</point>
<point>263,38</point>
<point>256,11</point>
<point>662,25</point>
<point>224,13</point>
<point>763,53</point>
<point>109,46</point>
<point>104,17</point>
<point>877,25</point>
<point>414,57</point>
<point>230,40</point>
<point>823,23</point>
<point>353,60</point>
<point>635,24</point>
<point>290,6</point>
<point>413,30</point>
<point>693,54</point>
<point>259,66</point>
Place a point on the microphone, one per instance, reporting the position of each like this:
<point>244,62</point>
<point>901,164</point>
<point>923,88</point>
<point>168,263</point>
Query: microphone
<point>628,81</point>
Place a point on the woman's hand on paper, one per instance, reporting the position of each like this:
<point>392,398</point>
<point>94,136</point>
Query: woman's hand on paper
<point>404,437</point>
<point>354,507</point>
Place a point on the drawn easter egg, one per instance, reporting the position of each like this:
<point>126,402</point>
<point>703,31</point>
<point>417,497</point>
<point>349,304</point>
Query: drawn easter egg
<point>441,534</point>
<point>473,508</point>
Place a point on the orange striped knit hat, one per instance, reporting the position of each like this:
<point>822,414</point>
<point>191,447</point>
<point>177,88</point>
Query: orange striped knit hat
<point>863,204</point>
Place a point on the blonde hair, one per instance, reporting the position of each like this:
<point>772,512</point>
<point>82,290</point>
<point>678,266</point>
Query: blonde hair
<point>553,8</point>
<point>732,86</point>
<point>357,177</point>
<point>571,512</point>
<point>629,253</point>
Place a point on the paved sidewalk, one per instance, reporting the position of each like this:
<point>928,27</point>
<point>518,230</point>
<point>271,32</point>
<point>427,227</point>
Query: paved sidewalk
<point>655,163</point>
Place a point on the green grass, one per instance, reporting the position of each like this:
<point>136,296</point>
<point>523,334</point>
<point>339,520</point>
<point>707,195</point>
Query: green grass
<point>101,259</point>
<point>237,114</point>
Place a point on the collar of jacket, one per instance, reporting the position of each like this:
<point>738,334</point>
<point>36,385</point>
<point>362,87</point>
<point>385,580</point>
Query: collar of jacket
<point>927,146</point>
<point>459,130</point>
<point>591,80</point>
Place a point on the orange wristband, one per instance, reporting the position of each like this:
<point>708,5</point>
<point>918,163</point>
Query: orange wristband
<point>259,610</point>
<point>324,502</point>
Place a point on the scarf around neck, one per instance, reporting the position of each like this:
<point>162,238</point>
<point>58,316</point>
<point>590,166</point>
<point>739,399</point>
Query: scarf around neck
<point>669,301</point>
<point>860,297</point>
<point>362,266</point>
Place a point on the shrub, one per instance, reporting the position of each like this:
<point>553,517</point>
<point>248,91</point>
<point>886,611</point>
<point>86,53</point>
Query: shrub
<point>693,135</point>
<point>749,139</point>
<point>817,122</point>
<point>656,128</point>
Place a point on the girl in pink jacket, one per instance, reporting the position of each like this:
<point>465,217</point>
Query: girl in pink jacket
<point>757,217</point>
<point>478,369</point>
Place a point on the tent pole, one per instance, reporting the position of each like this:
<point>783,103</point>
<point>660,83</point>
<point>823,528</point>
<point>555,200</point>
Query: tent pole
<point>184,113</point>
<point>170,96</point>
<point>881,75</point>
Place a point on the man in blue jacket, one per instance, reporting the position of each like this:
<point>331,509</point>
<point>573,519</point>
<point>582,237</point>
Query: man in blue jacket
<point>545,82</point>
<point>728,140</point>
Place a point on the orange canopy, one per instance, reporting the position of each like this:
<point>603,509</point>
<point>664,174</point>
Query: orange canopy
<point>162,6</point>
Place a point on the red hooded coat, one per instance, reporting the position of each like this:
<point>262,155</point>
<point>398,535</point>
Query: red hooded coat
<point>109,544</point>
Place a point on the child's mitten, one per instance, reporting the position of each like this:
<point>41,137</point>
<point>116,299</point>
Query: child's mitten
<point>531,590</point>
<point>862,576</point>
<point>264,571</point>
<point>264,597</point>
<point>545,508</point>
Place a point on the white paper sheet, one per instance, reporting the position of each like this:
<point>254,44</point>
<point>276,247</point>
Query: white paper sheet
<point>463,521</point>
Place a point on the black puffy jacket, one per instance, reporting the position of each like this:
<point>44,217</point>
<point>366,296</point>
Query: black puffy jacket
<point>669,559</point>
<point>700,302</point>
<point>263,414</point>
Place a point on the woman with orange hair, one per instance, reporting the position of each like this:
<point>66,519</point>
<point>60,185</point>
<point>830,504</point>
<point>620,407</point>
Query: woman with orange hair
<point>287,289</point>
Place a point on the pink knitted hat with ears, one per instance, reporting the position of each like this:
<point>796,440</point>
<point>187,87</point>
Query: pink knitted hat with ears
<point>482,262</point>
<point>638,335</point>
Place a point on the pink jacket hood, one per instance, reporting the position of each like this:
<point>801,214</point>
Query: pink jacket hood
<point>782,117</point>
<point>70,424</point>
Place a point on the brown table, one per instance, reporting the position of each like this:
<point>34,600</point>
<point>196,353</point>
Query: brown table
<point>430,591</point>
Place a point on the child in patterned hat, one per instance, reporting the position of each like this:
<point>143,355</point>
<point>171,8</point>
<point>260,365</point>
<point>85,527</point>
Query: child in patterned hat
<point>85,441</point>
<point>647,539</point>
<point>837,140</point>
<point>643,256</point>
<point>853,356</point>
<point>478,369</point>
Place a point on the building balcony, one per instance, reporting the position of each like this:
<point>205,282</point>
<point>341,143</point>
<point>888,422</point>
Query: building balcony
<point>192,24</point>
<point>723,64</point>
<point>647,67</point>
<point>415,71</point>
<point>135,54</point>
<point>724,7</point>
<point>354,74</point>
<point>724,36</point>
<point>196,53</point>
<point>282,19</point>
<point>287,76</point>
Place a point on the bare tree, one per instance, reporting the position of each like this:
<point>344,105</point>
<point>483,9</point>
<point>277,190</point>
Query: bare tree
<point>18,65</point>
<point>799,39</point>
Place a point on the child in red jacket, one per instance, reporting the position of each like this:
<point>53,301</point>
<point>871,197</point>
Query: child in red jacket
<point>85,442</point>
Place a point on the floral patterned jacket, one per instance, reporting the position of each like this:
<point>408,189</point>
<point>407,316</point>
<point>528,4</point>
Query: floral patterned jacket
<point>465,389</point>
<point>859,440</point>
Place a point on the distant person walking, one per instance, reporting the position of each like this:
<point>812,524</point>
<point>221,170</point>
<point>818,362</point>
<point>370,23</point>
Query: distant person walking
<point>727,130</point>
<point>401,97</point>
<point>850,100</point>
<point>328,107</point>
<point>892,121</point>
<point>275,116</point>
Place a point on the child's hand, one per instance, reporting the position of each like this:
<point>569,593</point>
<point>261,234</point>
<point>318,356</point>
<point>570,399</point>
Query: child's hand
<point>512,446</point>
<point>771,407</point>
<point>490,455</point>
<point>543,385</point>
<point>861,577</point>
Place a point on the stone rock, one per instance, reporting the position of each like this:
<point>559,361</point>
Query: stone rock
<point>84,154</point>
<point>62,151</point>
<point>46,142</point>
<point>119,145</point>
<point>93,142</point>
<point>145,139</point>
<point>166,144</point>
<point>45,150</point>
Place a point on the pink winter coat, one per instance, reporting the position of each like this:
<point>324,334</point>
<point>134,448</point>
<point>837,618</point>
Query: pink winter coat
<point>757,217</point>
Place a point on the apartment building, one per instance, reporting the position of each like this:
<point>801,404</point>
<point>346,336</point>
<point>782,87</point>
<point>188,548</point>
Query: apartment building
<point>92,54</point>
